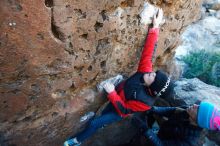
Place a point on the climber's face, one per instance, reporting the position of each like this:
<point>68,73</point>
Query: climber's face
<point>192,111</point>
<point>149,78</point>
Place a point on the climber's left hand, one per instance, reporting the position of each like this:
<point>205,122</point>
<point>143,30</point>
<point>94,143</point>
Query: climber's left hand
<point>109,87</point>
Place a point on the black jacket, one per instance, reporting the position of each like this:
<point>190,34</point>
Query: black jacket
<point>134,89</point>
<point>176,130</point>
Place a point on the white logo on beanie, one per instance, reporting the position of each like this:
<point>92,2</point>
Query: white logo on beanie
<point>165,87</point>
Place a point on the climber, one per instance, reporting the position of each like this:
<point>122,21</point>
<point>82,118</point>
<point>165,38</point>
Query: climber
<point>137,93</point>
<point>182,127</point>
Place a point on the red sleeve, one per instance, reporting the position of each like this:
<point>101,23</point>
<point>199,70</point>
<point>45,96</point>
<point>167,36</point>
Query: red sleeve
<point>126,107</point>
<point>145,64</point>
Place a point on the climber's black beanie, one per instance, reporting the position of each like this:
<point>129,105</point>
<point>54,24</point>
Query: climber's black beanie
<point>162,85</point>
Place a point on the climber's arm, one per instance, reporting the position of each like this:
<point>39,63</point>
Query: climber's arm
<point>165,111</point>
<point>145,64</point>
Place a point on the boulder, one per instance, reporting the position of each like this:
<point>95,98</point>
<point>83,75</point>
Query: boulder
<point>54,52</point>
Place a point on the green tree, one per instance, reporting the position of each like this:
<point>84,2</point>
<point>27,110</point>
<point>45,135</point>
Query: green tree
<point>203,65</point>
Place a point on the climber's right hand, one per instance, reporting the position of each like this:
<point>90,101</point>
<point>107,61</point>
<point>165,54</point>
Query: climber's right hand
<point>109,87</point>
<point>158,18</point>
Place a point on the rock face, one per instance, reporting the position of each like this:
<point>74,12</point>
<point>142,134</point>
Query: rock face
<point>195,37</point>
<point>193,90</point>
<point>53,53</point>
